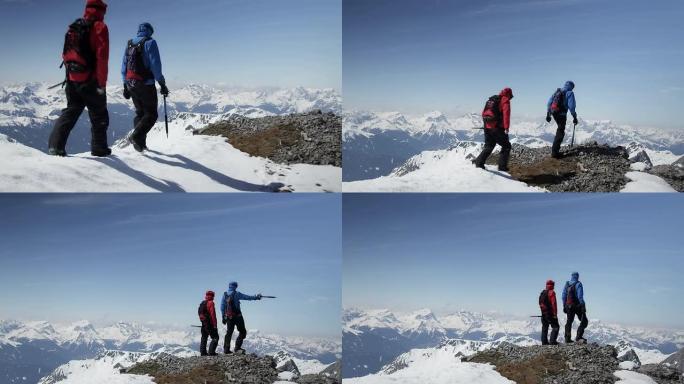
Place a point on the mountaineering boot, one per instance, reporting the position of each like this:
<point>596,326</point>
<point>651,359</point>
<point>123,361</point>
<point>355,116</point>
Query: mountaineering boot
<point>581,340</point>
<point>57,152</point>
<point>137,144</point>
<point>101,152</point>
<point>240,351</point>
<point>503,159</point>
<point>568,341</point>
<point>553,343</point>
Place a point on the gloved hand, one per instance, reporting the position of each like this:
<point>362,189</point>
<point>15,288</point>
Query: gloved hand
<point>224,320</point>
<point>583,308</point>
<point>126,92</point>
<point>164,90</point>
<point>100,91</point>
<point>548,117</point>
<point>574,120</point>
<point>258,296</point>
<point>565,309</point>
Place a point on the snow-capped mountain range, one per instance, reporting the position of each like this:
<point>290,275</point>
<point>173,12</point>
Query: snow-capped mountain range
<point>32,350</point>
<point>377,340</point>
<point>28,111</point>
<point>374,143</point>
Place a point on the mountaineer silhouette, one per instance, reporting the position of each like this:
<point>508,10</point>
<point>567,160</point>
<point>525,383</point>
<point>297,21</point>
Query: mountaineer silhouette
<point>573,305</point>
<point>232,316</point>
<point>549,314</point>
<point>496,116</point>
<point>207,315</point>
<point>558,105</point>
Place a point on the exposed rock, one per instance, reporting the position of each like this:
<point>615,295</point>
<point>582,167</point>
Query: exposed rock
<point>641,157</point>
<point>223,369</point>
<point>661,373</point>
<point>584,168</point>
<point>630,355</point>
<point>562,364</point>
<point>311,138</point>
<point>673,174</point>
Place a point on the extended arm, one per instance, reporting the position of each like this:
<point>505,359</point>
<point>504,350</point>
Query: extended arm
<point>242,296</point>
<point>506,110</point>
<point>580,293</point>
<point>212,314</point>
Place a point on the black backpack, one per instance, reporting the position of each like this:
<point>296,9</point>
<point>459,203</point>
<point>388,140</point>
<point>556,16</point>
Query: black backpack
<point>492,111</point>
<point>135,64</point>
<point>77,54</point>
<point>545,302</point>
<point>203,311</point>
<point>558,101</point>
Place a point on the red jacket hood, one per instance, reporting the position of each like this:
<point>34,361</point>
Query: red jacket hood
<point>209,295</point>
<point>550,285</point>
<point>95,10</point>
<point>506,92</point>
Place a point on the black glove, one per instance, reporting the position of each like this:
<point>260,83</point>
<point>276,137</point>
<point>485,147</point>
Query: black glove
<point>164,90</point>
<point>565,309</point>
<point>548,117</point>
<point>583,308</point>
<point>126,92</point>
<point>574,120</point>
<point>224,320</point>
<point>258,296</point>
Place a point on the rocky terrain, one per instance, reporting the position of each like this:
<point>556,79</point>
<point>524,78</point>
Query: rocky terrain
<point>224,369</point>
<point>310,138</point>
<point>584,168</point>
<point>669,371</point>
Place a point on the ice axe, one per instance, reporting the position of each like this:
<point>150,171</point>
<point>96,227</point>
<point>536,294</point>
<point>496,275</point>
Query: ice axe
<point>268,297</point>
<point>572,142</point>
<point>166,118</point>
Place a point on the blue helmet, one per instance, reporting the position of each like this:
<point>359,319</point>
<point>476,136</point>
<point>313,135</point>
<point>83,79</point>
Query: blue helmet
<point>233,285</point>
<point>146,28</point>
<point>569,85</point>
<point>575,275</point>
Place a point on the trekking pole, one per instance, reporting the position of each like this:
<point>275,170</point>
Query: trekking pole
<point>537,316</point>
<point>572,142</point>
<point>196,326</point>
<point>166,118</point>
<point>268,297</point>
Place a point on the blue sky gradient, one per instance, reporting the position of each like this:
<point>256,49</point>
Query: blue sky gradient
<point>494,252</point>
<point>420,55</point>
<point>149,258</point>
<point>244,43</point>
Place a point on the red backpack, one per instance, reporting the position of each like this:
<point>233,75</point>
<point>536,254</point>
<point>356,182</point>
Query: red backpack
<point>558,101</point>
<point>571,299</point>
<point>77,55</point>
<point>492,110</point>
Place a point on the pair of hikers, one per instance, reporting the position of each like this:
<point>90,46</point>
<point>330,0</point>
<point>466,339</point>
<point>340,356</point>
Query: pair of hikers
<point>573,306</point>
<point>496,116</point>
<point>85,58</point>
<point>231,314</point>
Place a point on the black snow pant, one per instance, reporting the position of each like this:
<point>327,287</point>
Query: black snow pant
<point>145,101</point>
<point>493,137</point>
<point>239,322</point>
<point>555,327</point>
<point>209,331</point>
<point>80,96</point>
<point>560,134</point>
<point>581,314</point>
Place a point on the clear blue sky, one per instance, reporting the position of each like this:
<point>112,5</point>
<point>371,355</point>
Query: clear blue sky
<point>494,252</point>
<point>250,43</point>
<point>147,258</point>
<point>420,55</point>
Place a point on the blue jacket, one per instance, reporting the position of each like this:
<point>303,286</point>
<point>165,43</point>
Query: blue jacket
<point>151,56</point>
<point>569,100</point>
<point>238,296</point>
<point>578,289</point>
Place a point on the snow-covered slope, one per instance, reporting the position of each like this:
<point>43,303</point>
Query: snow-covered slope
<point>181,163</point>
<point>375,143</point>
<point>374,338</point>
<point>441,171</point>
<point>34,349</point>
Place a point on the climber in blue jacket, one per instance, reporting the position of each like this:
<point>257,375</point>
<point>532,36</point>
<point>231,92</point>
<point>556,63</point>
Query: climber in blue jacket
<point>140,68</point>
<point>562,101</point>
<point>232,316</point>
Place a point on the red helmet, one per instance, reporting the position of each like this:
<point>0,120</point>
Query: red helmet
<point>209,295</point>
<point>550,284</point>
